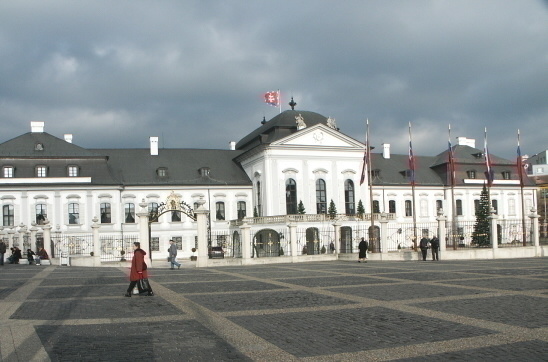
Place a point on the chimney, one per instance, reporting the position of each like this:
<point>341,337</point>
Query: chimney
<point>386,150</point>
<point>232,145</point>
<point>154,146</point>
<point>37,127</point>
<point>68,137</point>
<point>463,141</point>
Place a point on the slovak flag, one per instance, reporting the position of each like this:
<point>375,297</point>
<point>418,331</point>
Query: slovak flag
<point>272,98</point>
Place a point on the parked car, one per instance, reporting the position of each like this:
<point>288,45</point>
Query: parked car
<point>216,252</point>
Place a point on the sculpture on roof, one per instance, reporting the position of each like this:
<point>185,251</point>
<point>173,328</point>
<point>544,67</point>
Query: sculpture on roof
<point>331,123</point>
<point>300,122</point>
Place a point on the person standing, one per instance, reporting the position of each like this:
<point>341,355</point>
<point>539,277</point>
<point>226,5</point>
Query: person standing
<point>363,251</point>
<point>435,244</point>
<point>424,247</point>
<point>3,248</point>
<point>173,255</point>
<point>138,269</point>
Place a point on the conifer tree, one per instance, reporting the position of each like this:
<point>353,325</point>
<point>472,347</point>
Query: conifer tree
<point>255,213</point>
<point>480,235</point>
<point>300,208</point>
<point>361,209</point>
<point>332,211</point>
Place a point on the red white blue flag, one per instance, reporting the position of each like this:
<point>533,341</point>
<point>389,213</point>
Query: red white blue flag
<point>272,98</point>
<point>521,170</point>
<point>411,159</point>
<point>451,159</point>
<point>489,173</point>
<point>365,164</point>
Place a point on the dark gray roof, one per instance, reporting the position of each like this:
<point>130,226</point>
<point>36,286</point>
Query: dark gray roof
<point>139,167</point>
<point>469,155</point>
<point>392,171</point>
<point>279,127</point>
<point>24,146</point>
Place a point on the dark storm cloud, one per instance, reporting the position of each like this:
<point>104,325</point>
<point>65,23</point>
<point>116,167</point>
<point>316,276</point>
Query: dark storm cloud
<point>193,72</point>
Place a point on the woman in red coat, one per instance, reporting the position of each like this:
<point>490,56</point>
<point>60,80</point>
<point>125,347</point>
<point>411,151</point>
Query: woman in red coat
<point>138,269</point>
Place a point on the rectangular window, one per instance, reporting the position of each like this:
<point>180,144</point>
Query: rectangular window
<point>392,206</point>
<point>8,215</point>
<point>129,212</point>
<point>476,206</point>
<point>175,216</point>
<point>511,207</point>
<point>41,214</point>
<point>506,175</point>
<point>153,211</point>
<point>73,171</point>
<point>408,208</point>
<point>74,213</point>
<point>241,210</point>
<point>220,210</point>
<point>178,241</point>
<point>495,205</point>
<point>155,243</point>
<point>376,207</point>
<point>424,207</point>
<point>439,205</point>
<point>471,174</point>
<point>8,171</point>
<point>105,213</point>
<point>41,171</point>
<point>459,207</point>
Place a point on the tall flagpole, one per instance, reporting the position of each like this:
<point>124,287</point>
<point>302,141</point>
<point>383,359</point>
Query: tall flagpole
<point>489,172</point>
<point>412,170</point>
<point>280,100</point>
<point>452,181</point>
<point>520,173</point>
<point>369,174</point>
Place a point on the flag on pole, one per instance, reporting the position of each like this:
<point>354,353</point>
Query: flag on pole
<point>489,174</point>
<point>520,164</point>
<point>365,164</point>
<point>451,159</point>
<point>272,98</point>
<point>411,160</point>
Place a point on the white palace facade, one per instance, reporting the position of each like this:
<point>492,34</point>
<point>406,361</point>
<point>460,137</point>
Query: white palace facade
<point>260,185</point>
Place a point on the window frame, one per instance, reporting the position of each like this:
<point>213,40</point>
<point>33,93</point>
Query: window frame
<point>349,197</point>
<point>321,196</point>
<point>73,171</point>
<point>290,196</point>
<point>8,172</point>
<point>131,207</point>
<point>74,211</point>
<point>408,208</point>
<point>8,218</point>
<point>41,171</point>
<point>241,212</point>
<point>43,208</point>
<point>105,211</point>
<point>220,212</point>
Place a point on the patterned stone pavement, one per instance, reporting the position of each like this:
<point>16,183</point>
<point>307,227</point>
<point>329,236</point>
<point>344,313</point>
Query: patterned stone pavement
<point>489,310</point>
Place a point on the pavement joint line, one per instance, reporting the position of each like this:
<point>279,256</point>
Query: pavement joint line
<point>243,340</point>
<point>94,321</point>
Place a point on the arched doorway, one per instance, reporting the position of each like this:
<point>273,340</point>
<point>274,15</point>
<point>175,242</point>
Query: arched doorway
<point>312,241</point>
<point>346,239</point>
<point>236,245</point>
<point>266,243</point>
<point>374,233</point>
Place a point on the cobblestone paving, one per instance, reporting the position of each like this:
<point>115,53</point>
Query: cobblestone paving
<point>489,310</point>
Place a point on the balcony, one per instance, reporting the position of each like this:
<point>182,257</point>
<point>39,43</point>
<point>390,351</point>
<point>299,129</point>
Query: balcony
<point>285,219</point>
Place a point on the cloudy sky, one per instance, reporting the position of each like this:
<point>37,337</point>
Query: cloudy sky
<point>193,72</point>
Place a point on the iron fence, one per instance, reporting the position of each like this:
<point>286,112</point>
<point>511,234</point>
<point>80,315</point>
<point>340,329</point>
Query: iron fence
<point>460,235</point>
<point>77,244</point>
<point>117,247</point>
<point>270,243</point>
<point>510,233</point>
<point>313,240</point>
<point>401,236</point>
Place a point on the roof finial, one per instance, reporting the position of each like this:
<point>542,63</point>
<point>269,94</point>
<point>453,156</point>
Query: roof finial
<point>292,104</point>
<point>263,121</point>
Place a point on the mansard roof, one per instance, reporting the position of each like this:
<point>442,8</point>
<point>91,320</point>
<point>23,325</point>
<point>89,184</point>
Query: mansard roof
<point>25,146</point>
<point>469,155</point>
<point>393,171</point>
<point>279,127</point>
<point>182,167</point>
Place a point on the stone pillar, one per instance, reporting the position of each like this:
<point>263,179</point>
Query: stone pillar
<point>3,236</point>
<point>293,240</point>
<point>337,241</point>
<point>11,232</point>
<point>144,230</point>
<point>493,231</point>
<point>46,227</point>
<point>96,242</point>
<point>384,233</point>
<point>33,231</point>
<point>202,215</point>
<point>535,235</point>
<point>246,243</point>
<point>442,231</point>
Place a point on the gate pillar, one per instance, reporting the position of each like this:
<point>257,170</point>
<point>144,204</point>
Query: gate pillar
<point>143,231</point>
<point>201,222</point>
<point>46,227</point>
<point>442,231</point>
<point>33,230</point>
<point>246,243</point>
<point>384,233</point>
<point>535,235</point>
<point>337,242</point>
<point>493,231</point>
<point>96,242</point>
<point>293,240</point>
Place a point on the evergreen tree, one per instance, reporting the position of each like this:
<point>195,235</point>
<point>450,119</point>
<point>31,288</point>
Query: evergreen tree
<point>300,208</point>
<point>255,213</point>
<point>480,235</point>
<point>361,209</point>
<point>332,211</point>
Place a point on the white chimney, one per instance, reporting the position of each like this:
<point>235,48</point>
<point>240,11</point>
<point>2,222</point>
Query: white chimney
<point>232,145</point>
<point>386,150</point>
<point>154,146</point>
<point>37,127</point>
<point>68,137</point>
<point>463,141</point>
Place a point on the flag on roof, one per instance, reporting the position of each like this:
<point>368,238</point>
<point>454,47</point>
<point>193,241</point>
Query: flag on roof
<point>411,159</point>
<point>489,173</point>
<point>272,98</point>
<point>520,164</point>
<point>451,160</point>
<point>365,164</point>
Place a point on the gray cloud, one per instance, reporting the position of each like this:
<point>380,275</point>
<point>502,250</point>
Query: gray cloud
<point>194,72</point>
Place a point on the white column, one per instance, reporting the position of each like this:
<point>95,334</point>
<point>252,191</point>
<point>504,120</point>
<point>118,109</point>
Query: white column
<point>11,232</point>
<point>143,230</point>
<point>293,240</point>
<point>46,227</point>
<point>246,243</point>
<point>493,231</point>
<point>201,221</point>
<point>535,235</point>
<point>96,242</point>
<point>337,241</point>
<point>33,231</point>
<point>442,231</point>
<point>384,233</point>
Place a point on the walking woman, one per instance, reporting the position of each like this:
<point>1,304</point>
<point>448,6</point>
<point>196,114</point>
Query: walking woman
<point>362,256</point>
<point>138,270</point>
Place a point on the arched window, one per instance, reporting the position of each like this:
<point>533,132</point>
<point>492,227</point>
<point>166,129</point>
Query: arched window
<point>349,201</point>
<point>321,197</point>
<point>290,197</point>
<point>153,211</point>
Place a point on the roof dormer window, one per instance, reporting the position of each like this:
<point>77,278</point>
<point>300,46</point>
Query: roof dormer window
<point>161,172</point>
<point>41,171</point>
<point>471,174</point>
<point>204,171</point>
<point>7,171</point>
<point>38,147</point>
<point>72,171</point>
<point>506,175</point>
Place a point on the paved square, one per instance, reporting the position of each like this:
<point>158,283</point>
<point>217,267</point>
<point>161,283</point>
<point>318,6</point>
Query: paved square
<point>489,310</point>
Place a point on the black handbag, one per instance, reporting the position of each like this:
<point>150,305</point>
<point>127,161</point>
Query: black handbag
<point>144,285</point>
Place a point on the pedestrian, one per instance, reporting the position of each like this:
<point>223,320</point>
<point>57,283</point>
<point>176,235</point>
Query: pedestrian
<point>15,255</point>
<point>30,256</point>
<point>332,247</point>
<point>3,248</point>
<point>173,255</point>
<point>435,244</point>
<point>424,247</point>
<point>138,270</point>
<point>41,255</point>
<point>363,251</point>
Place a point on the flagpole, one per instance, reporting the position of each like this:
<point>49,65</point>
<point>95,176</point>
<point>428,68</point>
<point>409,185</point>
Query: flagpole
<point>280,100</point>
<point>452,180</point>
<point>488,166</point>
<point>413,211</point>
<point>372,232</point>
<point>520,171</point>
